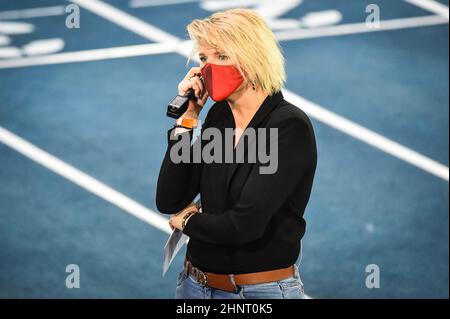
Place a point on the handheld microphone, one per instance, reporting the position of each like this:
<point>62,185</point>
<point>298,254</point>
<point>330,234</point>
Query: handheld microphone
<point>179,104</point>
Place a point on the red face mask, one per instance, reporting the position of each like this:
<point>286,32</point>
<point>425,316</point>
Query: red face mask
<point>221,80</point>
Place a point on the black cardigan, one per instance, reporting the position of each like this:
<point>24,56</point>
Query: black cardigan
<point>250,222</point>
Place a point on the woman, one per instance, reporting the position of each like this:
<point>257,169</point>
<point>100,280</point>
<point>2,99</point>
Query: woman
<point>246,240</point>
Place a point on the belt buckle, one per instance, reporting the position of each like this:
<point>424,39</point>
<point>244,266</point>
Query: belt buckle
<point>200,276</point>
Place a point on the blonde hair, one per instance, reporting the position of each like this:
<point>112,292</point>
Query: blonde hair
<point>247,39</point>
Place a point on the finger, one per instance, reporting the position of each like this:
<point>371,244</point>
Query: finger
<point>204,97</point>
<point>196,88</point>
<point>197,80</point>
<point>185,85</point>
<point>199,83</point>
<point>193,71</point>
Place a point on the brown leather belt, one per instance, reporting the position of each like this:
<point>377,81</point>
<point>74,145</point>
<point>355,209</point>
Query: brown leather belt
<point>230,282</point>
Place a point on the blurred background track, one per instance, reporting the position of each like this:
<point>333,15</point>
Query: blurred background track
<point>86,107</point>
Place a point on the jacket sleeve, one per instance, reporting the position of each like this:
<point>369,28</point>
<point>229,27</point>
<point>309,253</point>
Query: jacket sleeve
<point>179,183</point>
<point>262,194</point>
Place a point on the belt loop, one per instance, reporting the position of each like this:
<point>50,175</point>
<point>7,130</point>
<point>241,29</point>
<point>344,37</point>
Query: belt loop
<point>236,290</point>
<point>296,271</point>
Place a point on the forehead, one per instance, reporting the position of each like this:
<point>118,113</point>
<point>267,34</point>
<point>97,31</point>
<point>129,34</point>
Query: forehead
<point>207,51</point>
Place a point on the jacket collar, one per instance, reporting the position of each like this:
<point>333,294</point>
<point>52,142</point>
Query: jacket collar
<point>268,105</point>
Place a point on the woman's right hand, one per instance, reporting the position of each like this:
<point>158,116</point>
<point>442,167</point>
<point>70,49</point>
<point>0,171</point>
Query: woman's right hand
<point>192,81</point>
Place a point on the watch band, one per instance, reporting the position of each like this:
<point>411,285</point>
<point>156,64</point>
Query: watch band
<point>185,218</point>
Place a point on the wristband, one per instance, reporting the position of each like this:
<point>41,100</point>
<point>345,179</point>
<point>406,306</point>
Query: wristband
<point>187,122</point>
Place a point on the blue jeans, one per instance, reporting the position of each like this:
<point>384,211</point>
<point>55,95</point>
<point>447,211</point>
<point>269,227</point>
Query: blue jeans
<point>290,288</point>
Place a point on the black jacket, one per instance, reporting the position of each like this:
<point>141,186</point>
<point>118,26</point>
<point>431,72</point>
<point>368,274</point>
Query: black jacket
<point>250,222</point>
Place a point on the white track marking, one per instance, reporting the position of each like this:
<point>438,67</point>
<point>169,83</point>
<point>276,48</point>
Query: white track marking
<point>9,52</point>
<point>265,8</point>
<point>126,20</point>
<point>83,180</point>
<point>219,5</point>
<point>432,6</point>
<point>4,40</point>
<point>32,13</point>
<point>270,11</point>
<point>156,3</point>
<point>91,55</point>
<point>354,28</point>
<point>15,27</point>
<point>105,191</point>
<point>316,111</point>
<point>367,136</point>
<point>184,47</point>
<point>131,23</point>
<point>320,19</point>
<point>45,46</point>
<point>283,24</point>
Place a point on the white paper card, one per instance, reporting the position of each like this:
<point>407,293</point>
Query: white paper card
<point>176,240</point>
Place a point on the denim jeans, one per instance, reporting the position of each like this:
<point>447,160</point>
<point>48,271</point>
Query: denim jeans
<point>290,288</point>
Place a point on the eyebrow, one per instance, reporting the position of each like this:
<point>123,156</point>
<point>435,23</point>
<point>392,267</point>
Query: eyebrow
<point>215,52</point>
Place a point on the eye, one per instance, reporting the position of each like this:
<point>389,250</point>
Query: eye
<point>223,57</point>
<point>203,58</point>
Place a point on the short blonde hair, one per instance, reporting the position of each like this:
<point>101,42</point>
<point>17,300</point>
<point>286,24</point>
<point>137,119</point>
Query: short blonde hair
<point>247,39</point>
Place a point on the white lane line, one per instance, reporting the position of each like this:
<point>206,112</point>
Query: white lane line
<point>83,180</point>
<point>367,136</point>
<point>92,55</point>
<point>265,8</point>
<point>43,46</point>
<point>4,40</point>
<point>320,19</point>
<point>32,13</point>
<point>10,52</point>
<point>354,28</point>
<point>432,6</point>
<point>156,3</point>
<point>184,47</point>
<point>7,27</point>
<point>126,20</point>
<point>334,120</point>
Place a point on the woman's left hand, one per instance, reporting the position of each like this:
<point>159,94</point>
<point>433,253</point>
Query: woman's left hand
<point>176,220</point>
